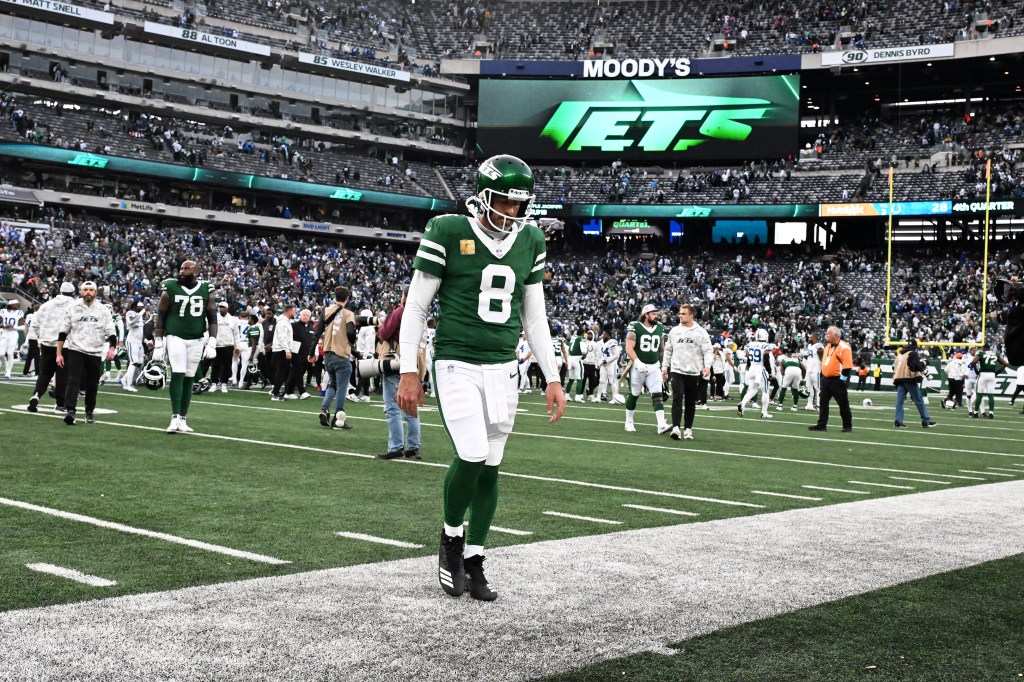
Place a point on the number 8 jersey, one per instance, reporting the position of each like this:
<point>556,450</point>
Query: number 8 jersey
<point>482,286</point>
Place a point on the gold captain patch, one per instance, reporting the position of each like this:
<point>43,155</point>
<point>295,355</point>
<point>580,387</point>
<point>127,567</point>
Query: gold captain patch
<point>467,247</point>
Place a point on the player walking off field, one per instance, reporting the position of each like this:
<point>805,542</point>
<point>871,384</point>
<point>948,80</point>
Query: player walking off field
<point>643,348</point>
<point>487,273</point>
<point>989,363</point>
<point>185,314</point>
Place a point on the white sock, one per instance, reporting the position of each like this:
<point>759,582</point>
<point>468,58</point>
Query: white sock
<point>453,531</point>
<point>629,416</point>
<point>660,414</point>
<point>473,550</point>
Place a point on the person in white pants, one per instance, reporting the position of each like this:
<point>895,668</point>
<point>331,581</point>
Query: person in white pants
<point>11,318</point>
<point>762,365</point>
<point>812,362</point>
<point>525,357</point>
<point>611,351</point>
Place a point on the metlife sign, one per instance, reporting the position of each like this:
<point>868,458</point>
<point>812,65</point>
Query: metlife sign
<point>887,54</point>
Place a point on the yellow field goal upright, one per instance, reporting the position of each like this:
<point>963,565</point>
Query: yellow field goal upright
<point>942,345</point>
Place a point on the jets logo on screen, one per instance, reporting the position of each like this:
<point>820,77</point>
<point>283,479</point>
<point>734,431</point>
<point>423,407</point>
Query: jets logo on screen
<point>659,121</point>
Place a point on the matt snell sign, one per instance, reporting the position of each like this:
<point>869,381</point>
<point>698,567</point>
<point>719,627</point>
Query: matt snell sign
<point>886,54</point>
<point>65,9</point>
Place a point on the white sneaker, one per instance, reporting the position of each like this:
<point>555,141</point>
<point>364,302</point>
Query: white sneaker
<point>663,429</point>
<point>754,405</point>
<point>223,388</point>
<point>130,388</point>
<point>595,399</point>
<point>766,416</point>
<point>366,398</point>
<point>304,395</point>
<point>579,398</point>
<point>793,409</point>
<point>619,400</point>
<point>291,396</point>
<point>675,433</point>
<point>778,408</point>
<point>630,428</point>
<point>688,434</point>
<point>175,426</point>
<point>184,427</point>
<point>808,408</point>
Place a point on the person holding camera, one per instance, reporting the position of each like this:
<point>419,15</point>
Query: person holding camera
<point>336,333</point>
<point>366,345</point>
<point>907,375</point>
<point>388,332</point>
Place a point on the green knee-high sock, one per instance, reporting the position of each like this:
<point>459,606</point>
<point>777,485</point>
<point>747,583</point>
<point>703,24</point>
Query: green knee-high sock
<point>481,510</point>
<point>631,401</point>
<point>991,403</point>
<point>176,382</point>
<point>459,489</point>
<point>186,394</point>
<point>782,396</point>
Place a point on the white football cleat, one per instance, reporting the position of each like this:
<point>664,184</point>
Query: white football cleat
<point>595,399</point>
<point>130,388</point>
<point>579,398</point>
<point>304,395</point>
<point>676,435</point>
<point>808,408</point>
<point>630,428</point>
<point>664,428</point>
<point>175,425</point>
<point>793,409</point>
<point>619,400</point>
<point>766,416</point>
<point>183,426</point>
<point>223,388</point>
<point>688,434</point>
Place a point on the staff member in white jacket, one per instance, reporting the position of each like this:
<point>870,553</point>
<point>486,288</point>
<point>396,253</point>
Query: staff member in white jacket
<point>227,346</point>
<point>688,357</point>
<point>281,352</point>
<point>48,321</point>
<point>87,329</point>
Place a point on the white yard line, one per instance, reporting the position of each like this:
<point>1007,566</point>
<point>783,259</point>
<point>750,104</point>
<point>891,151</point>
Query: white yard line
<point>131,530</point>
<point>919,480</point>
<point>554,596</point>
<point>507,531</point>
<point>71,574</point>
<point>836,490</point>
<point>1003,469</point>
<point>986,473</point>
<point>379,541</point>
<point>592,519</point>
<point>677,512</point>
<point>883,485</point>
<point>792,497</point>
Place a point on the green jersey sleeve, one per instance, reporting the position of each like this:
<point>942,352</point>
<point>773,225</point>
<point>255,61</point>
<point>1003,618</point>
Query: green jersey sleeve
<point>540,251</point>
<point>432,254</point>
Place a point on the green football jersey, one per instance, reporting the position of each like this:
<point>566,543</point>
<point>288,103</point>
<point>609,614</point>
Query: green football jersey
<point>990,361</point>
<point>576,346</point>
<point>648,341</point>
<point>790,362</point>
<point>186,318</point>
<point>252,335</point>
<point>483,281</point>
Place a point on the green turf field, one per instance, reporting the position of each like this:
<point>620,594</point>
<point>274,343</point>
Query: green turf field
<point>263,484</point>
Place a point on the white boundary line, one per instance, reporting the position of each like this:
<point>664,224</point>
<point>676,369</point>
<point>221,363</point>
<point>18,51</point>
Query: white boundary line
<point>792,497</point>
<point>836,490</point>
<point>919,480</point>
<point>985,473</point>
<point>583,518</point>
<point>883,485</point>
<point>111,525</point>
<point>1016,471</point>
<point>71,574</point>
<point>507,531</point>
<point>381,541</point>
<point>677,512</point>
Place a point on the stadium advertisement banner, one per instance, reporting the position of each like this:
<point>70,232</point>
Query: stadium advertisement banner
<point>65,10</point>
<point>712,211</point>
<point>640,120</point>
<point>882,209</point>
<point>887,54</point>
<point>782,63</point>
<point>354,67</point>
<point>209,39</point>
<point>200,176</point>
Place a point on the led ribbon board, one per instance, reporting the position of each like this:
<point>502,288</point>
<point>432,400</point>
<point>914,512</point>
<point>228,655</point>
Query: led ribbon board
<point>640,120</point>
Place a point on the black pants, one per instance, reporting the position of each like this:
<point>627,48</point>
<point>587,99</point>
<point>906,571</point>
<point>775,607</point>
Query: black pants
<point>956,392</point>
<point>834,387</point>
<point>47,369</point>
<point>590,378</point>
<point>684,392</point>
<point>265,360</point>
<point>1018,389</point>
<point>222,365</point>
<point>32,360</point>
<point>718,381</point>
<point>83,373</point>
<point>702,390</point>
<point>862,381</point>
<point>297,377</point>
<point>280,367</point>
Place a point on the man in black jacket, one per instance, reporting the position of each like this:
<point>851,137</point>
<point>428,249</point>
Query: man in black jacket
<point>302,331</point>
<point>269,325</point>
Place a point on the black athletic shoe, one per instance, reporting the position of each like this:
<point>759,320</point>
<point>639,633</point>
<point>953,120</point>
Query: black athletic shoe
<point>478,586</point>
<point>394,454</point>
<point>927,424</point>
<point>413,454</point>
<point>846,429</point>
<point>816,427</point>
<point>325,419</point>
<point>33,404</point>
<point>899,425</point>
<point>69,418</point>
<point>450,571</point>
<point>90,418</point>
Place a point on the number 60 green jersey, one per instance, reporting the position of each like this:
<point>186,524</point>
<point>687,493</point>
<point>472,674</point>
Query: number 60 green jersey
<point>186,317</point>
<point>482,285</point>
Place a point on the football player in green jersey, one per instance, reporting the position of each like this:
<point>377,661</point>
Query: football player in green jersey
<point>577,348</point>
<point>185,314</point>
<point>988,363</point>
<point>487,272</point>
<point>793,371</point>
<point>643,348</point>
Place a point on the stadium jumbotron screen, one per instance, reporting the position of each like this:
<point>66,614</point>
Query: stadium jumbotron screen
<point>640,120</point>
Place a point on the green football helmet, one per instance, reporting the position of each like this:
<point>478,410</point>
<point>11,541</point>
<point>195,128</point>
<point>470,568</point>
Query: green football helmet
<point>505,176</point>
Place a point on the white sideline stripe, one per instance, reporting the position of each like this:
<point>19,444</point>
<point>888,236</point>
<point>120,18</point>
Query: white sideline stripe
<point>507,531</point>
<point>111,525</point>
<point>583,518</point>
<point>1003,469</point>
<point>986,473</point>
<point>307,448</point>
<point>792,497</point>
<point>381,541</point>
<point>678,512</point>
<point>883,485</point>
<point>919,480</point>
<point>836,490</point>
<point>71,574</point>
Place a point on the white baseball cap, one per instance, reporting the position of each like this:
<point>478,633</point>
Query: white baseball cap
<point>67,288</point>
<point>649,308</point>
<point>86,285</point>
<point>222,304</point>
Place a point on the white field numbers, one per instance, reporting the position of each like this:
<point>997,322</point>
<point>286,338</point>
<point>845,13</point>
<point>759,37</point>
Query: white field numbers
<point>194,304</point>
<point>489,293</point>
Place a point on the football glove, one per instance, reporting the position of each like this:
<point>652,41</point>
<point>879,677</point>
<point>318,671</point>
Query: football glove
<point>159,349</point>
<point>210,352</point>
